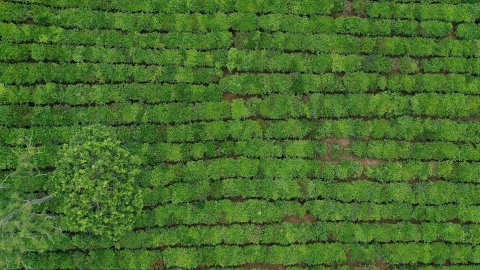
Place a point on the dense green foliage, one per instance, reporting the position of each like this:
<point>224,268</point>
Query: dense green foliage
<point>94,184</point>
<point>235,134</point>
<point>23,228</point>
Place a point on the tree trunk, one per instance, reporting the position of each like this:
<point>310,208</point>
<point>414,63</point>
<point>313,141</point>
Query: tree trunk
<point>44,199</point>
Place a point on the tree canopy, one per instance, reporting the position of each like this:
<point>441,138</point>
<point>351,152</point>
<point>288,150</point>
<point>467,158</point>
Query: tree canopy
<point>94,184</point>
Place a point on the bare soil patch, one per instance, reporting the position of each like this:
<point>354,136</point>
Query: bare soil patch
<point>295,219</point>
<point>382,265</point>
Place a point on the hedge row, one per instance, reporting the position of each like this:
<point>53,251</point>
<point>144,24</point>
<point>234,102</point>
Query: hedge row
<point>167,152</point>
<point>95,259</point>
<point>424,11</point>
<point>286,168</point>
<point>22,33</point>
<point>388,149</point>
<point>98,54</point>
<point>352,82</point>
<point>31,73</point>
<point>326,43</point>
<point>189,22</point>
<point>284,106</point>
<point>417,170</point>
<point>348,44</point>
<point>425,193</point>
<point>312,254</point>
<point>383,104</point>
<point>402,128</point>
<point>99,94</point>
<point>277,61</point>
<point>204,6</point>
<point>283,233</point>
<point>259,211</point>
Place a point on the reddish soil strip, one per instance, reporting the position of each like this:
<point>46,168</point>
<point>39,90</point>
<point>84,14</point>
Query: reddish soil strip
<point>344,143</point>
<point>295,219</point>
<point>231,96</point>
<point>382,265</point>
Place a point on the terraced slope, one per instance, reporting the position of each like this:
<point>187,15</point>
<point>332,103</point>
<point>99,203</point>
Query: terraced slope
<point>273,134</point>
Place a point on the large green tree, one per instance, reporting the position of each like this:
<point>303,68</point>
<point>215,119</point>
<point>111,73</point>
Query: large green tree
<point>24,226</point>
<point>94,184</point>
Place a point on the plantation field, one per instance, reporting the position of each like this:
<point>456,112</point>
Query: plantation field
<point>272,134</point>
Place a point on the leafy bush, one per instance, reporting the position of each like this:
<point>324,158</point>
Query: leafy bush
<point>94,184</point>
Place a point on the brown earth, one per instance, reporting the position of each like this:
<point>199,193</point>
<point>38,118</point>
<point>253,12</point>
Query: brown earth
<point>295,219</point>
<point>382,265</point>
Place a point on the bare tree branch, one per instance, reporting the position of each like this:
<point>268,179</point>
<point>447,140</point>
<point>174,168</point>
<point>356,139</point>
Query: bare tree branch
<point>44,199</point>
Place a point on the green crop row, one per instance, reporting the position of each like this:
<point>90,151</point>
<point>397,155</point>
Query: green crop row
<point>99,54</point>
<point>277,61</point>
<point>96,259</point>
<point>386,104</point>
<point>260,211</point>
<point>425,193</point>
<point>313,254</point>
<point>81,19</point>
<point>424,11</point>
<point>417,170</point>
<point>31,73</point>
<point>283,233</point>
<point>388,149</point>
<point>327,43</point>
<point>405,128</point>
<point>284,106</point>
<point>354,82</point>
<point>111,38</point>
<point>161,152</point>
<point>348,44</point>
<point>203,6</point>
<point>99,94</point>
<point>468,31</point>
<point>402,128</point>
<point>118,113</point>
<point>224,255</point>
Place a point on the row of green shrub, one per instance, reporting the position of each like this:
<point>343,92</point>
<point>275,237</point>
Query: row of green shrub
<point>261,212</point>
<point>198,22</point>
<point>240,60</point>
<point>402,128</point>
<point>31,73</point>
<point>99,54</point>
<point>352,82</point>
<point>310,254</point>
<point>277,61</point>
<point>327,43</point>
<point>203,6</point>
<point>85,94</point>
<point>349,44</point>
<point>336,211</point>
<point>271,107</point>
<point>424,193</point>
<point>388,149</point>
<point>282,233</point>
<point>424,11</point>
<point>95,259</point>
<point>301,168</point>
<point>325,254</point>
<point>22,33</point>
<point>160,152</point>
<point>281,106</point>
<point>417,170</point>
